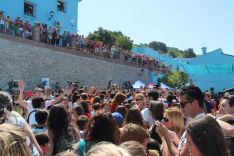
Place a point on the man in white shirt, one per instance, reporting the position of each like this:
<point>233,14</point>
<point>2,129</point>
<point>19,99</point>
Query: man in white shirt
<point>37,103</point>
<point>192,104</point>
<point>147,116</point>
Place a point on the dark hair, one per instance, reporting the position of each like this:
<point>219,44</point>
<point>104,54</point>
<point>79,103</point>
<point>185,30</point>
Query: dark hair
<point>157,109</point>
<point>102,97</point>
<point>60,91</point>
<point>134,116</point>
<point>119,98</point>
<point>103,92</point>
<point>81,121</point>
<point>207,136</point>
<point>79,110</point>
<point>75,97</point>
<point>154,145</point>
<point>230,99</point>
<point>112,95</point>
<point>41,117</point>
<point>84,96</point>
<point>42,138</point>
<point>5,102</point>
<point>193,93</point>
<point>154,94</point>
<point>37,102</point>
<point>97,99</point>
<point>122,110</point>
<point>81,91</point>
<point>170,98</point>
<point>5,99</point>
<point>85,104</point>
<point>96,106</point>
<point>58,121</point>
<point>102,127</point>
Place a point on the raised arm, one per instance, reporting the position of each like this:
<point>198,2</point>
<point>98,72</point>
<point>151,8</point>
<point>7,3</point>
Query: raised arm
<point>21,85</point>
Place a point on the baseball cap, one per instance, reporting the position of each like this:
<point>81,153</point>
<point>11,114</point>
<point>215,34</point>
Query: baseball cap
<point>118,118</point>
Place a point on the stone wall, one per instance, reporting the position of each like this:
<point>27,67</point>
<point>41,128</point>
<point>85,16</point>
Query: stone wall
<point>30,62</point>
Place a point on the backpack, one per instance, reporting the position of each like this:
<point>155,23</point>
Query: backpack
<point>35,110</point>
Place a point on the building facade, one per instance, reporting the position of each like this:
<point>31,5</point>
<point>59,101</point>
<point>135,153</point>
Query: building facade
<point>212,69</point>
<point>55,13</point>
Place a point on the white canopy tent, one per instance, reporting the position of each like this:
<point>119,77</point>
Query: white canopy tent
<point>138,84</point>
<point>162,85</point>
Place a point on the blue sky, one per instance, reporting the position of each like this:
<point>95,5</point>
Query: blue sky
<point>178,23</point>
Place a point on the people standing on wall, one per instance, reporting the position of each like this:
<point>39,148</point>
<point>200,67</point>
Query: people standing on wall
<point>57,38</point>
<point>7,24</point>
<point>2,23</point>
<point>27,27</point>
<point>54,34</point>
<point>21,28</point>
<point>36,32</point>
<point>69,38</point>
<point>64,39</point>
<point>50,32</point>
<point>44,33</point>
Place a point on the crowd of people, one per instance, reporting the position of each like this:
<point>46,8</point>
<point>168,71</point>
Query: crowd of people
<point>114,121</point>
<point>42,32</point>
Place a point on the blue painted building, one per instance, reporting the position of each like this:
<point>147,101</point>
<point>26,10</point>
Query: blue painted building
<point>212,69</point>
<point>62,13</point>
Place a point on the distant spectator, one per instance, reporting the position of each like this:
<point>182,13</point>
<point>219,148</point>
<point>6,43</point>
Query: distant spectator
<point>41,118</point>
<point>43,141</point>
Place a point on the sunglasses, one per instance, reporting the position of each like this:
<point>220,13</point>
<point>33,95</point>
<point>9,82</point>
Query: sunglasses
<point>182,104</point>
<point>139,99</point>
<point>165,119</point>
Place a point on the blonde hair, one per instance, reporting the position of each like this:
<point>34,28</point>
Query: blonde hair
<point>134,148</point>
<point>107,149</point>
<point>175,115</point>
<point>140,95</point>
<point>13,141</point>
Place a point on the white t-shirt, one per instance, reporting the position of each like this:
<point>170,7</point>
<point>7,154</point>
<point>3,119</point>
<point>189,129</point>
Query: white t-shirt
<point>30,107</point>
<point>32,120</point>
<point>147,116</point>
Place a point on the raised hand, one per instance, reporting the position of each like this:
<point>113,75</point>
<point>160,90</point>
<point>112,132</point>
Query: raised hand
<point>21,85</point>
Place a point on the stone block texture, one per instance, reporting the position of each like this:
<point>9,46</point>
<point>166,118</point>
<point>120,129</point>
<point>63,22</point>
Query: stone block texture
<point>19,60</point>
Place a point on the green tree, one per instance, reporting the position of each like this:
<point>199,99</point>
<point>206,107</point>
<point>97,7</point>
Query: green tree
<point>175,78</point>
<point>158,46</point>
<point>124,42</point>
<point>189,53</point>
<point>103,35</point>
<point>144,45</point>
<point>117,34</point>
<point>174,52</point>
<point>112,38</point>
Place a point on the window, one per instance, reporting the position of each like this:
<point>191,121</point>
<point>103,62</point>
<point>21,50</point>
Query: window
<point>29,8</point>
<point>61,5</point>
